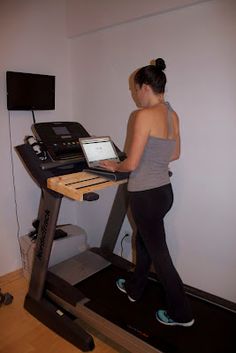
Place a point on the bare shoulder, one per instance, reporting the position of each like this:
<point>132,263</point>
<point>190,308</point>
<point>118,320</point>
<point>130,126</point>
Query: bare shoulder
<point>175,116</point>
<point>141,121</point>
<point>175,122</point>
<point>144,115</point>
<point>141,115</point>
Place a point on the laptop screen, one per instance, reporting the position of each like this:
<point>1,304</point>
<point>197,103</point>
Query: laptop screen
<point>97,149</point>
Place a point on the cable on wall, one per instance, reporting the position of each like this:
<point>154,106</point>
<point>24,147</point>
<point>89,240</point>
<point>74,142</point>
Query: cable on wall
<point>13,180</point>
<point>33,115</point>
<point>121,244</point>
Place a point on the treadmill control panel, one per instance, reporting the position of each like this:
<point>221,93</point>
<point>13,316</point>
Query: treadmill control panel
<point>60,139</point>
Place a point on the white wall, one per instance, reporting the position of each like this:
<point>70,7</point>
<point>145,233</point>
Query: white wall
<point>86,16</point>
<point>198,44</point>
<point>32,39</point>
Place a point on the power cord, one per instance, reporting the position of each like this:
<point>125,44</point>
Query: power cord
<point>13,180</point>
<point>121,243</point>
<point>33,115</point>
<point>41,153</point>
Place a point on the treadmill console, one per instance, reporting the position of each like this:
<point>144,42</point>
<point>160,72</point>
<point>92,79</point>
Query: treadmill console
<point>60,139</point>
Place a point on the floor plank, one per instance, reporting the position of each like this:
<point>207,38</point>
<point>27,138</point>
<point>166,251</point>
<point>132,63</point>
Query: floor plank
<point>22,333</point>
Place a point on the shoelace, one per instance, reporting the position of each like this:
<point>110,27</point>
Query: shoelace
<point>168,317</point>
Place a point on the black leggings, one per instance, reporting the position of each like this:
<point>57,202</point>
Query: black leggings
<point>149,208</point>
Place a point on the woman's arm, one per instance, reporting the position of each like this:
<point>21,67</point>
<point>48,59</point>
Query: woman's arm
<point>139,132</point>
<point>176,153</point>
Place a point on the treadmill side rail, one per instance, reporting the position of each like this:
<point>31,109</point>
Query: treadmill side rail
<point>105,327</point>
<point>52,317</point>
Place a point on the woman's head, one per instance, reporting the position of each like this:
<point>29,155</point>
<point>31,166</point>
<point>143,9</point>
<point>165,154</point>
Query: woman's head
<point>152,75</point>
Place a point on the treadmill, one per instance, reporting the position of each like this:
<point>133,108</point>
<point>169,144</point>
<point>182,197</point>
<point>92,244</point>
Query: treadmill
<point>79,295</point>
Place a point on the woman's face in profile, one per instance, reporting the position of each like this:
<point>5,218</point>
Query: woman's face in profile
<point>139,95</point>
<point>133,89</point>
<point>135,93</point>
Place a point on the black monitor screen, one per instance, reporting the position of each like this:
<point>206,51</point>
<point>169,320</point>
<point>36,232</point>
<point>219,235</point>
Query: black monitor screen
<point>27,91</point>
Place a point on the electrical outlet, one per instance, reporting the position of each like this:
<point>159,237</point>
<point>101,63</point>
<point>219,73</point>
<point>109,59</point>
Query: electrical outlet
<point>127,236</point>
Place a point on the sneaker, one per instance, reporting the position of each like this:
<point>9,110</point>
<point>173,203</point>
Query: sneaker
<point>120,283</point>
<point>163,317</point>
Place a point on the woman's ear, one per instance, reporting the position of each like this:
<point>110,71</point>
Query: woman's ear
<point>146,88</point>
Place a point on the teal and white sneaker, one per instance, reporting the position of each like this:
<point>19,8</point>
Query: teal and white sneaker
<point>120,283</point>
<point>163,317</point>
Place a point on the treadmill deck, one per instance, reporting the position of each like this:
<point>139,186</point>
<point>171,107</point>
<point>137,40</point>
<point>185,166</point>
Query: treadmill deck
<point>214,330</point>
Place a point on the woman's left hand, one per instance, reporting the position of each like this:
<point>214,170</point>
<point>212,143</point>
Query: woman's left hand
<point>109,165</point>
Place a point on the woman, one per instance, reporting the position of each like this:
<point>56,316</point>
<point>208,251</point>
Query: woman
<point>155,141</point>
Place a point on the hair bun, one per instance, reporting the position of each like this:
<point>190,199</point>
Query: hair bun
<point>160,64</point>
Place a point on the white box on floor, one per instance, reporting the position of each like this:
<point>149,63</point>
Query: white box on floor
<point>62,249</point>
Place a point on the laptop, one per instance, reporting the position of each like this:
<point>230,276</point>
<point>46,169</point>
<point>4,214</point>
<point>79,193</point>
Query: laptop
<point>97,149</point>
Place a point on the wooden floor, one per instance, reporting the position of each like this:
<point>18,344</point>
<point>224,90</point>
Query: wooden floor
<point>22,333</point>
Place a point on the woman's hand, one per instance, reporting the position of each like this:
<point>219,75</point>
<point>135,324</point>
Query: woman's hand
<point>109,165</point>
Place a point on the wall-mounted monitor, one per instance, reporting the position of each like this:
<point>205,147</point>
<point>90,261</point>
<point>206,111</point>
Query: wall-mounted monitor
<point>28,91</point>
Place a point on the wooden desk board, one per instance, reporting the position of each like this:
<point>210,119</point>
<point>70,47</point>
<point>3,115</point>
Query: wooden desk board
<point>75,185</point>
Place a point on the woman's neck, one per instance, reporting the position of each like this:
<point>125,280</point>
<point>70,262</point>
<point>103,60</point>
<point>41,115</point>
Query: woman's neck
<point>155,99</point>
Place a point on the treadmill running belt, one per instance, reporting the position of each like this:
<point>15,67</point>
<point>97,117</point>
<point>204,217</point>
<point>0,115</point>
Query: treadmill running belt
<point>214,330</point>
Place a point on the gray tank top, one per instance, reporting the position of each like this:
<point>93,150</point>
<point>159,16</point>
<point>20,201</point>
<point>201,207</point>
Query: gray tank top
<point>152,171</point>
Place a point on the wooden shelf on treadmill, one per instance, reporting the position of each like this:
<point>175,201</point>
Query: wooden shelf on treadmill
<point>76,185</point>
